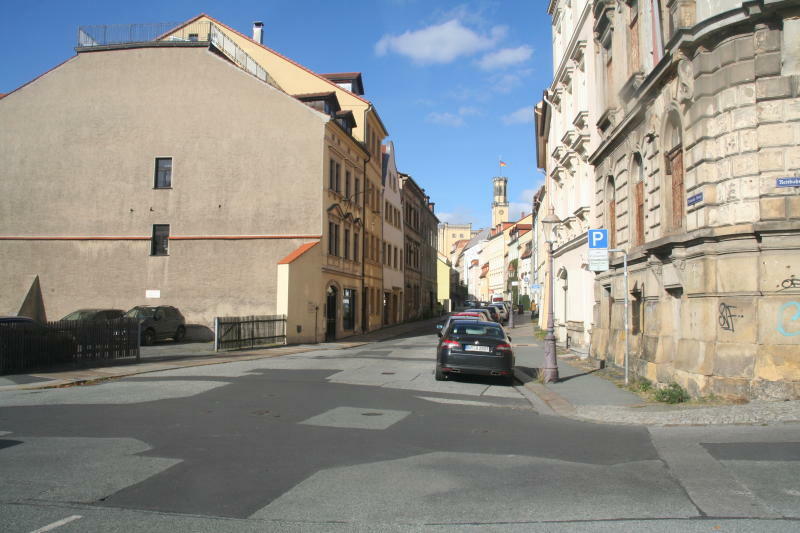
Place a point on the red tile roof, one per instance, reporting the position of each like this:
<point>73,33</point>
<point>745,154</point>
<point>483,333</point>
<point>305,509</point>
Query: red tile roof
<point>297,253</point>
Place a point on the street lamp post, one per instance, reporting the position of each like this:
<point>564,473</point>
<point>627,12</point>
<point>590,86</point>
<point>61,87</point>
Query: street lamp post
<point>550,370</point>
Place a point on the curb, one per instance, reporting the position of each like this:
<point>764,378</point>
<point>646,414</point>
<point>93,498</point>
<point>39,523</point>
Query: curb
<point>544,400</point>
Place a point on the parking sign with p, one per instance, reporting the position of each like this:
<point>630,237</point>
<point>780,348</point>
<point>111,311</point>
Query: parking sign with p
<point>598,238</point>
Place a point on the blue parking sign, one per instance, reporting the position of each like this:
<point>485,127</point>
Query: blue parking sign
<point>598,238</point>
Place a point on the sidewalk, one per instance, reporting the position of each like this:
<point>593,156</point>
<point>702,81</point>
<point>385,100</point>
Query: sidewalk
<point>194,354</point>
<point>584,395</point>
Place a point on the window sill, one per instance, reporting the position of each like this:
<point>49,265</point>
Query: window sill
<point>162,188</point>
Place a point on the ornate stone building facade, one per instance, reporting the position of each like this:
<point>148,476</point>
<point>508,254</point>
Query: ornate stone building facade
<point>568,137</point>
<point>700,127</point>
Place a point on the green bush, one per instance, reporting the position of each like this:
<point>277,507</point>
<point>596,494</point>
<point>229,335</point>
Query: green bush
<point>525,302</point>
<point>642,385</point>
<point>672,393</point>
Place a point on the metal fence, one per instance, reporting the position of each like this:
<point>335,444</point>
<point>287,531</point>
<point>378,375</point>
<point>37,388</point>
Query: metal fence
<point>238,332</point>
<point>30,345</point>
<point>111,34</point>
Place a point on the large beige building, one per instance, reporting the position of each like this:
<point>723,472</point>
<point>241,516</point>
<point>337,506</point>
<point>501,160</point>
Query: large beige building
<point>267,201</point>
<point>699,123</point>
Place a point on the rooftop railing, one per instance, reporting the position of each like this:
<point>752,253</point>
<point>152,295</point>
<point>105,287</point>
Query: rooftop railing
<point>171,32</point>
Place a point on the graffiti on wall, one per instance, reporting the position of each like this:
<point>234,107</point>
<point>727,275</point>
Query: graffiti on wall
<point>790,283</point>
<point>789,322</point>
<point>726,316</point>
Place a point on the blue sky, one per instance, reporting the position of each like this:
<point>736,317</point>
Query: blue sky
<point>454,82</point>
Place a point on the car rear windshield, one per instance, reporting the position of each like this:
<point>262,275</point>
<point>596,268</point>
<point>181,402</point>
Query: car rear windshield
<point>140,312</point>
<point>484,331</point>
<point>80,315</point>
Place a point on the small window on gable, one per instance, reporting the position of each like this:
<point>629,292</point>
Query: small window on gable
<point>163,177</point>
<point>193,37</point>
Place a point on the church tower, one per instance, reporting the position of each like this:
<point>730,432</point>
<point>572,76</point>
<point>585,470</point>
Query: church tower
<point>500,202</point>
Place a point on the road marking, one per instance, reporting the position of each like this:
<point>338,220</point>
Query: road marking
<point>460,402</point>
<point>60,523</point>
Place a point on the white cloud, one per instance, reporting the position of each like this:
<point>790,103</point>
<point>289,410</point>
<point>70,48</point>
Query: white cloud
<point>505,57</point>
<point>468,111</point>
<point>445,119</point>
<point>520,116</point>
<point>442,43</point>
<point>515,210</point>
<point>459,216</point>
<point>527,195</point>
<point>506,83</point>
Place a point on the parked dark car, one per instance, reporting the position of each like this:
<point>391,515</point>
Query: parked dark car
<point>473,347</point>
<point>95,315</point>
<point>442,325</point>
<point>493,313</point>
<point>159,323</point>
<point>481,310</point>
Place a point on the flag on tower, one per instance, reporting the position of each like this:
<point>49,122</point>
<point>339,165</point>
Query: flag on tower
<point>503,163</point>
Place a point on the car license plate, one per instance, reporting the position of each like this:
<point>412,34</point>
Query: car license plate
<point>474,348</point>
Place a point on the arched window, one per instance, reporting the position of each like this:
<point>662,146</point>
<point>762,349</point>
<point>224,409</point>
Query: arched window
<point>610,197</point>
<point>637,178</point>
<point>673,165</point>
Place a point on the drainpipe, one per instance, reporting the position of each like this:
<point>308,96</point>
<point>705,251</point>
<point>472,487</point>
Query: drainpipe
<point>364,303</point>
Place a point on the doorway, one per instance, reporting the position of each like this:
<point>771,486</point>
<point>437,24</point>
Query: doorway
<point>330,314</point>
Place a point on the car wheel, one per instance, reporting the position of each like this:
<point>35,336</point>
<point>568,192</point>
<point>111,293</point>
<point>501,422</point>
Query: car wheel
<point>148,337</point>
<point>180,334</point>
<point>510,380</point>
<point>439,375</point>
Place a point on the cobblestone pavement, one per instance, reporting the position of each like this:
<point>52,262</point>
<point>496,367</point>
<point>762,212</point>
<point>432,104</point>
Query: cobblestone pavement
<point>755,412</point>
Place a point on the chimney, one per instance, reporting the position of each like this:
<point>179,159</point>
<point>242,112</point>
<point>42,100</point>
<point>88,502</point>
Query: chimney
<point>258,32</point>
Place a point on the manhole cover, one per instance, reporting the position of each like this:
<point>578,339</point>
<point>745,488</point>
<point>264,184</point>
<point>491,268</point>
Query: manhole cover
<point>371,414</point>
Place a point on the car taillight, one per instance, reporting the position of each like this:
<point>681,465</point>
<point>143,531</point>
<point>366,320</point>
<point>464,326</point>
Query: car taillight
<point>503,347</point>
<point>450,344</point>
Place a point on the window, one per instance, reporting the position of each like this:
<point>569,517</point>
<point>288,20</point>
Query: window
<point>349,309</point>
<point>358,190</point>
<point>160,242</point>
<point>347,244</point>
<point>333,179</point>
<point>333,239</point>
<point>163,178</point>
<point>347,184</point>
<point>193,37</point>
<point>675,166</point>
<point>638,175</point>
<point>633,34</point>
<point>355,247</point>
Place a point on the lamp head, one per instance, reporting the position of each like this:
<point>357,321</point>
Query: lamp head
<point>549,224</point>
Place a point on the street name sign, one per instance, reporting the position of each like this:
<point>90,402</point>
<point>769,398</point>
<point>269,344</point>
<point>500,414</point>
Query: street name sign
<point>788,182</point>
<point>598,249</point>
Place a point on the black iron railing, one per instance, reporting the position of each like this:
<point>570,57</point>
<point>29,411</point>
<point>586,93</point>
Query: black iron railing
<point>238,332</point>
<point>31,345</point>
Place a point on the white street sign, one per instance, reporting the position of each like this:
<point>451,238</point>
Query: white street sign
<point>598,259</point>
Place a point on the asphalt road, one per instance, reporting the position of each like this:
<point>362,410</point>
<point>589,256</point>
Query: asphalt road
<point>364,439</point>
